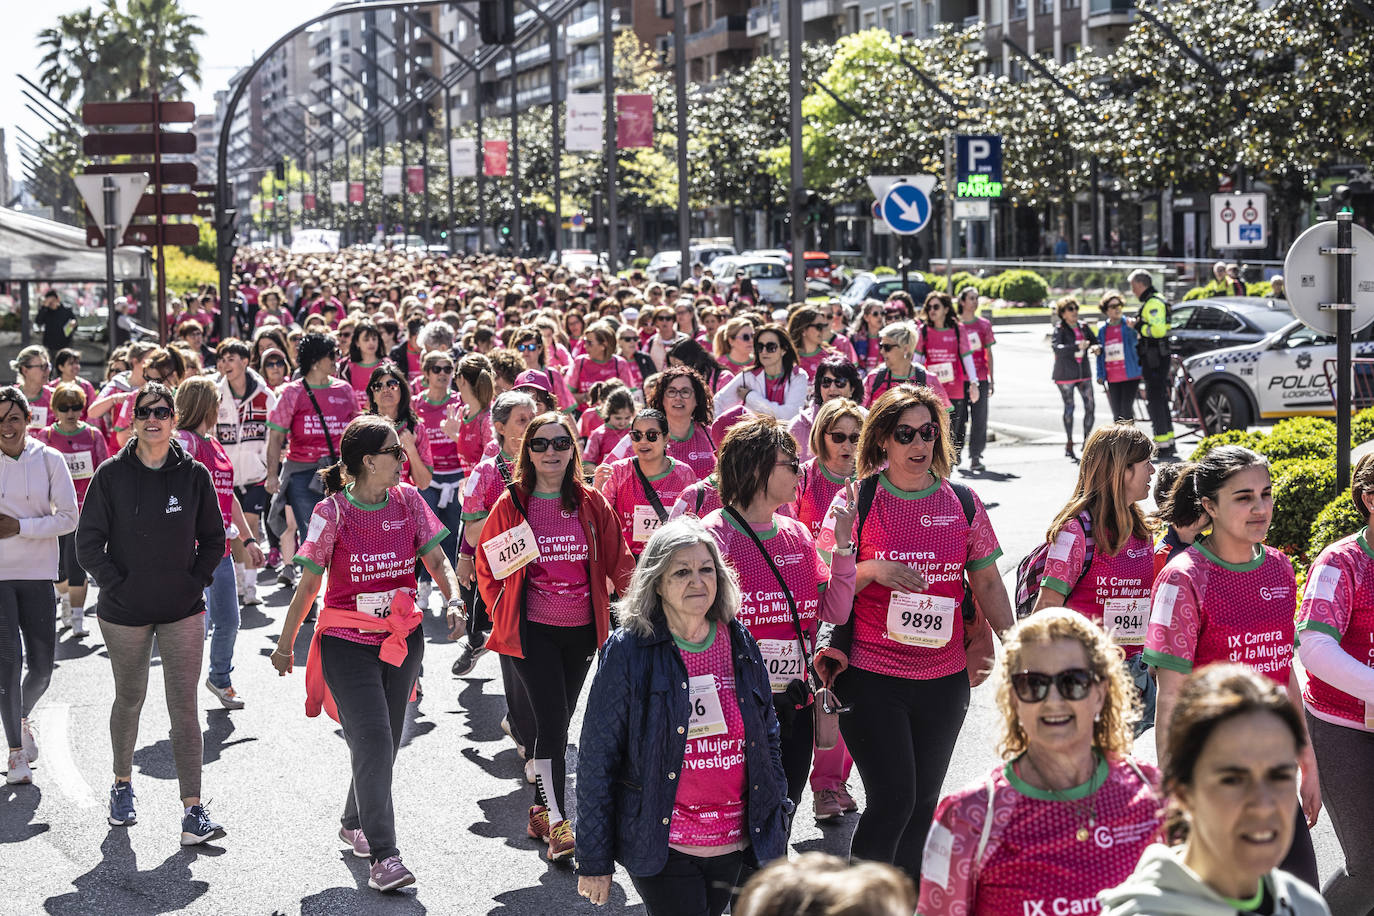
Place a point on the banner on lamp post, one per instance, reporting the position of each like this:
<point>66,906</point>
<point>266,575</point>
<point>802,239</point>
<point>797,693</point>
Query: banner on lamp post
<point>415,179</point>
<point>462,157</point>
<point>391,180</point>
<point>308,200</point>
<point>494,155</point>
<point>634,121</point>
<point>584,122</point>
<point>338,192</point>
<point>355,192</point>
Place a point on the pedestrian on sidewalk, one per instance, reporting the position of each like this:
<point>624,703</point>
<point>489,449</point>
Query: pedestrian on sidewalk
<point>980,341</point>
<point>152,536</point>
<point>1118,364</point>
<point>367,646</point>
<point>1073,344</point>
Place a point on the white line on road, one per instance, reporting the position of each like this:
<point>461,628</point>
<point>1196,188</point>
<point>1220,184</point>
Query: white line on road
<point>59,767</point>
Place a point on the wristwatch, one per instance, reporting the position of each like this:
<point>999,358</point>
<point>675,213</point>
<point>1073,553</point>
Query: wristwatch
<point>843,551</point>
<point>455,601</point>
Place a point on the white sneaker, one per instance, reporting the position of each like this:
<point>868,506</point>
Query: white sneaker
<point>29,740</point>
<point>227,696</point>
<point>78,622</point>
<point>423,590</point>
<point>18,772</point>
<point>64,609</point>
<point>250,590</point>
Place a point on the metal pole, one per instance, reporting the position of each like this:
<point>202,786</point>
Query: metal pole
<point>424,173</point>
<point>684,214</point>
<point>557,146</point>
<point>482,171</point>
<point>949,212</point>
<point>405,179</point>
<point>516,231</point>
<point>448,152</point>
<point>794,128</point>
<point>111,195</point>
<point>157,218</point>
<point>608,112</point>
<point>1345,263</point>
<point>1095,203</point>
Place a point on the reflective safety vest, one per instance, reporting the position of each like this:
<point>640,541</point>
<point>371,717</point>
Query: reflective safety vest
<point>1154,316</point>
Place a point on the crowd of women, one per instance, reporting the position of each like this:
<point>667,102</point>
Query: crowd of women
<point>745,526</point>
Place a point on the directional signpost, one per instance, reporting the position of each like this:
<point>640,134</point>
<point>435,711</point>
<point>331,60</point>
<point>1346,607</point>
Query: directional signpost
<point>903,203</point>
<point>114,197</point>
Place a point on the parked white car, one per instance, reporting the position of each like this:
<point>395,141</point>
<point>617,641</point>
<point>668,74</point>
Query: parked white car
<point>769,275</point>
<point>663,267</point>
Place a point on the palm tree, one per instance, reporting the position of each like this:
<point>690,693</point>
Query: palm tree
<point>77,64</point>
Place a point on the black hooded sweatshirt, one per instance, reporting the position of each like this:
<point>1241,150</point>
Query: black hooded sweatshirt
<point>150,537</point>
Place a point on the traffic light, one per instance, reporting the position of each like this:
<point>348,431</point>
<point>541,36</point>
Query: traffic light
<point>279,170</point>
<point>505,230</point>
<point>809,205</point>
<point>1337,201</point>
<point>496,21</point>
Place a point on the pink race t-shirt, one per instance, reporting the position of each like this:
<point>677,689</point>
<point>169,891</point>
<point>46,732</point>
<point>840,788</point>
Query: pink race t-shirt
<point>696,451</point>
<point>943,349</point>
<point>443,451</point>
<point>1113,592</point>
<point>358,375</point>
<point>709,808</point>
<point>1338,599</point>
<point>881,379</point>
<point>589,422</point>
<point>810,362</point>
<point>208,451</point>
<point>40,410</point>
<point>980,338</point>
<point>474,438</point>
<point>1033,862</point>
<point>602,441</point>
<point>815,493</point>
<point>484,486</point>
<point>83,450</point>
<point>624,491</point>
<point>763,605</point>
<point>369,550</point>
<point>699,500</point>
<point>296,417</point>
<point>1114,353</point>
<point>586,372</point>
<point>422,448</point>
<point>918,637</point>
<point>558,592</point>
<point>1205,610</point>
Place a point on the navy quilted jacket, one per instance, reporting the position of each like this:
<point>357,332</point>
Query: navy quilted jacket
<point>634,736</point>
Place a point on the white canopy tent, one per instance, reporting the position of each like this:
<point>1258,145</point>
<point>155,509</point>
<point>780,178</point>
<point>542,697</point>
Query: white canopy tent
<point>33,248</point>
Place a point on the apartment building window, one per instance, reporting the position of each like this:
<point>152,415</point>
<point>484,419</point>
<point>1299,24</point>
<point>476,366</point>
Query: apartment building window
<point>889,18</point>
<point>1044,7</point>
<point>907,19</point>
<point>851,19</point>
<point>462,29</point>
<point>929,17</point>
<point>1072,4</point>
<point>1018,9</point>
<point>870,19</point>
<point>1071,52</point>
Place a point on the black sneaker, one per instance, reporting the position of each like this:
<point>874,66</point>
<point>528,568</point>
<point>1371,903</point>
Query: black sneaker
<point>977,466</point>
<point>196,827</point>
<point>467,659</point>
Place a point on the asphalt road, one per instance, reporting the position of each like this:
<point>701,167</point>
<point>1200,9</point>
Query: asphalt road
<point>276,779</point>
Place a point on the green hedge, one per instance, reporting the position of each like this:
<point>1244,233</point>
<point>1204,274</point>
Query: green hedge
<point>1337,520</point>
<point>1016,286</point>
<point>1302,488</point>
<point>1362,426</point>
<point>1214,289</point>
<point>1241,437</point>
<point>1300,437</point>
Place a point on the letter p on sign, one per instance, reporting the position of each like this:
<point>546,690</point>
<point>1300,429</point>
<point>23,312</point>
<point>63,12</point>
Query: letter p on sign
<point>979,154</point>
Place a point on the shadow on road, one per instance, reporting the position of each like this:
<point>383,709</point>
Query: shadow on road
<point>72,648</point>
<point>362,899</point>
<point>834,838</point>
<point>116,885</point>
<point>560,883</point>
<point>484,710</point>
<point>18,805</point>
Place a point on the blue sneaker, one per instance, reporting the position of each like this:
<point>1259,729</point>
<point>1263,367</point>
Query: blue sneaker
<point>196,827</point>
<point>122,805</point>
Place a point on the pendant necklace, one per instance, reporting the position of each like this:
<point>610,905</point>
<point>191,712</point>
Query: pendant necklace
<point>1089,807</point>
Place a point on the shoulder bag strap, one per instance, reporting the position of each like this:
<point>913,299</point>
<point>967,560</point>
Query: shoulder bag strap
<point>987,823</point>
<point>504,470</point>
<point>965,497</point>
<point>701,497</point>
<point>650,493</point>
<point>328,439</point>
<point>787,592</point>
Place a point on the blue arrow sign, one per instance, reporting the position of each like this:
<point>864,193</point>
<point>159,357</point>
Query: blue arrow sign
<point>906,208</point>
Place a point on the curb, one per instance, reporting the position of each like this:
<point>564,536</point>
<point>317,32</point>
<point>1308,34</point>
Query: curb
<point>1025,435</point>
<point>1037,319</point>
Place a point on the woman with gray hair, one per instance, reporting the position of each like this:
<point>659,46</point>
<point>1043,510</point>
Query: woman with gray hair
<point>679,773</point>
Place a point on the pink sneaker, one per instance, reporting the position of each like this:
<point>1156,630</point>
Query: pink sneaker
<point>389,875</point>
<point>356,839</point>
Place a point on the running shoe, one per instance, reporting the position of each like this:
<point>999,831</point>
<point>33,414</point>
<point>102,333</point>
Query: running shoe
<point>78,622</point>
<point>467,659</point>
<point>228,697</point>
<point>561,844</point>
<point>122,805</point>
<point>273,558</point>
<point>18,772</point>
<point>250,597</point>
<point>287,575</point>
<point>196,827</point>
<point>847,803</point>
<point>826,805</point>
<point>977,466</point>
<point>423,589</point>
<point>538,827</point>
<point>356,839</point>
<point>389,875</point>
<point>64,608</point>
<point>30,740</point>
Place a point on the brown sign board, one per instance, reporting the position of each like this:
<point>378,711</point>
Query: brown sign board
<point>174,234</point>
<point>171,204</point>
<point>169,173</point>
<point>137,112</point>
<point>137,144</point>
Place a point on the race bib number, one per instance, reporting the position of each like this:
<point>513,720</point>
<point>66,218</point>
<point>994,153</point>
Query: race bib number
<point>378,604</point>
<point>782,660</point>
<point>707,718</point>
<point>80,464</point>
<point>944,372</point>
<point>1126,620</point>
<point>645,523</point>
<point>511,549</point>
<point>920,620</point>
<point>974,342</point>
<point>1115,352</point>
<point>38,417</point>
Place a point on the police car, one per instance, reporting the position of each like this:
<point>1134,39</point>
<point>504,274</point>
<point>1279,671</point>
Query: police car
<point>1283,375</point>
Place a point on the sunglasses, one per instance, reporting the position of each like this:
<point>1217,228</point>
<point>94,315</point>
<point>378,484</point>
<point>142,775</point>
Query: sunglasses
<point>559,443</point>
<point>770,346</point>
<point>633,340</point>
<point>928,432</point>
<point>270,364</point>
<point>34,366</point>
<point>395,451</point>
<point>442,370</point>
<point>151,378</point>
<point>819,326</point>
<point>67,408</point>
<point>831,381</point>
<point>794,465</point>
<point>664,319</point>
<point>528,347</point>
<point>1072,308</point>
<point>888,348</point>
<point>746,336</point>
<point>387,383</point>
<point>143,413</point>
<point>637,436</point>
<point>1034,686</point>
<point>841,438</point>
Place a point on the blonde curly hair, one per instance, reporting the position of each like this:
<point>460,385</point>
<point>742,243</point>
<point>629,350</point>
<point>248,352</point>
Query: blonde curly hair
<point>1113,733</point>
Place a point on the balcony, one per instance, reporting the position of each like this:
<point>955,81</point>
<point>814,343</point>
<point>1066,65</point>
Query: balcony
<point>821,9</point>
<point>584,74</point>
<point>530,57</point>
<point>1110,12</point>
<point>583,29</point>
<point>725,34</point>
<point>762,19</point>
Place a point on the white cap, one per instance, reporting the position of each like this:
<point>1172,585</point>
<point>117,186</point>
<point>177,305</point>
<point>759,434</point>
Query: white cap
<point>630,314</point>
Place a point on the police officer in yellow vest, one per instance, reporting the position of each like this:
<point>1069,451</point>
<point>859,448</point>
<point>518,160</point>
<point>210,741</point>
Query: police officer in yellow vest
<point>1152,324</point>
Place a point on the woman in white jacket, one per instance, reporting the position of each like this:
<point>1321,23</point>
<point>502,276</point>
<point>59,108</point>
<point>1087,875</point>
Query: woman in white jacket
<point>37,505</point>
<point>776,385</point>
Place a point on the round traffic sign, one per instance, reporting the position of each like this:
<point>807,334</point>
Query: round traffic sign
<point>906,208</point>
<point>1250,214</point>
<point>1310,278</point>
<point>1228,214</point>
<point>578,220</point>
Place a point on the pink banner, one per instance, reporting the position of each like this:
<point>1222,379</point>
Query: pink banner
<point>415,179</point>
<point>634,121</point>
<point>308,200</point>
<point>494,155</point>
<point>355,192</point>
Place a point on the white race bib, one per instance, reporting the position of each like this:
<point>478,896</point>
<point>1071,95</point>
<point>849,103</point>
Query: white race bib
<point>378,604</point>
<point>645,523</point>
<point>38,416</point>
<point>944,372</point>
<point>1116,353</point>
<point>511,549</point>
<point>707,717</point>
<point>974,342</point>
<point>81,464</point>
<point>1126,620</point>
<point>782,660</point>
<point>920,620</point>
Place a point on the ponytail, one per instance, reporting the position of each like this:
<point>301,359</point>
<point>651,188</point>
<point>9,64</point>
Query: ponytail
<point>333,478</point>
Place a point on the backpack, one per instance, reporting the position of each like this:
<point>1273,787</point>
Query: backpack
<point>918,378</point>
<point>1031,570</point>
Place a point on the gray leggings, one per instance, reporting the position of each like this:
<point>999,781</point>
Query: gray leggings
<point>181,646</point>
<point>26,618</point>
<point>1344,759</point>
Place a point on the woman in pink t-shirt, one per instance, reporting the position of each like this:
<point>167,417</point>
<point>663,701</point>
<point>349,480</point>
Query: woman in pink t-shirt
<point>643,487</point>
<point>388,395</point>
<point>367,645</point>
<point>1230,598</point>
<point>364,355</point>
<point>616,408</point>
<point>807,328</point>
<point>1070,810</point>
<point>681,394</point>
<point>599,363</point>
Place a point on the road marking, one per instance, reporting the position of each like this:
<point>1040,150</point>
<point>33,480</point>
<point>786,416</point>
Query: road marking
<point>58,765</point>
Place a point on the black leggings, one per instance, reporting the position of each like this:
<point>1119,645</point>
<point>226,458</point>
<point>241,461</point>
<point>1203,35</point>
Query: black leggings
<point>901,734</point>
<point>68,570</point>
<point>26,614</point>
<point>371,697</point>
<point>555,665</point>
<point>798,737</point>
<point>1122,397</point>
<point>1345,757</point>
<point>1084,387</point>
<point>690,885</point>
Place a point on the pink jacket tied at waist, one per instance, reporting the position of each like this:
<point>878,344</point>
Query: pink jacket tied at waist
<point>399,624</point>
